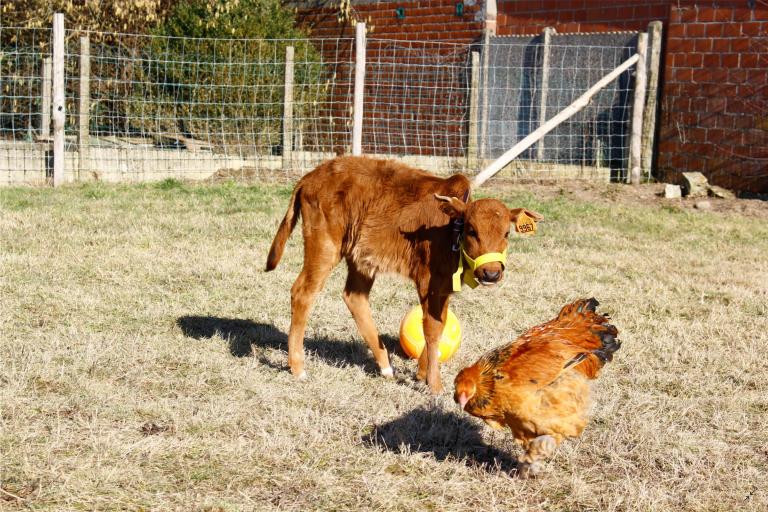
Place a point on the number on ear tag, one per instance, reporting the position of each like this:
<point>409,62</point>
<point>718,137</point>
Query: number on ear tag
<point>525,224</point>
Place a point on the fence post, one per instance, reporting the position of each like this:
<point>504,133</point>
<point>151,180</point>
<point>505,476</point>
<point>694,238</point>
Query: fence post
<point>473,100</point>
<point>486,81</point>
<point>45,107</point>
<point>288,109</point>
<point>635,143</point>
<point>84,107</point>
<point>649,117</point>
<point>58,99</point>
<point>357,117</point>
<point>547,39</point>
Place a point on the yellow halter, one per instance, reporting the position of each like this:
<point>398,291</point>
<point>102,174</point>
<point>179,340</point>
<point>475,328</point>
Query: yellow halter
<point>467,275</point>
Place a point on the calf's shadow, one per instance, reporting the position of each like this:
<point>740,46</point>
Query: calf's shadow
<point>243,335</point>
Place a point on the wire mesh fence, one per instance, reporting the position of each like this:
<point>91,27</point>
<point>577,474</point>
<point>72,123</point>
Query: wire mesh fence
<point>144,107</point>
<point>528,82</point>
<point>416,98</point>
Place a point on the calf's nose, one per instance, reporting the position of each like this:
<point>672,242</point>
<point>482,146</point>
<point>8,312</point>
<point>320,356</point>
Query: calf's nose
<point>491,275</point>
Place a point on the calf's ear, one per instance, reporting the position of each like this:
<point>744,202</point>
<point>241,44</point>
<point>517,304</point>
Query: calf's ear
<point>514,212</point>
<point>524,220</point>
<point>451,206</point>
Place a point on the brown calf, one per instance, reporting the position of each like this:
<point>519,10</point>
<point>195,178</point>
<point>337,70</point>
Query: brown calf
<point>382,216</point>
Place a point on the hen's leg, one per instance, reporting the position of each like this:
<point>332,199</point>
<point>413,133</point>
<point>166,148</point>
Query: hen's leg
<point>539,448</point>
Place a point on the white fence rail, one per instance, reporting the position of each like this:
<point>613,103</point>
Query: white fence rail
<point>139,107</point>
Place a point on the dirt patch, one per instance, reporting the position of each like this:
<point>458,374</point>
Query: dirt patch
<point>650,194</point>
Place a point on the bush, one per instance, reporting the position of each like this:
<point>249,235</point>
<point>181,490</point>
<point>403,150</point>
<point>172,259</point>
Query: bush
<point>218,71</point>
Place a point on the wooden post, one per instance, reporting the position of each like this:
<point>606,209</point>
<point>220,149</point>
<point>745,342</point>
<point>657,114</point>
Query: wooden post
<point>546,41</point>
<point>649,117</point>
<point>533,137</point>
<point>473,100</point>
<point>635,142</point>
<point>58,99</point>
<point>84,106</point>
<point>357,116</point>
<point>484,121</point>
<point>45,107</point>
<point>288,109</point>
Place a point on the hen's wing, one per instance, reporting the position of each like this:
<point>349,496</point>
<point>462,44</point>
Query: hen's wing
<point>577,338</point>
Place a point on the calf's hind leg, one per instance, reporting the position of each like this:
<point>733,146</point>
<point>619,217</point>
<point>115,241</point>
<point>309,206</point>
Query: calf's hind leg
<point>356,293</point>
<point>319,259</point>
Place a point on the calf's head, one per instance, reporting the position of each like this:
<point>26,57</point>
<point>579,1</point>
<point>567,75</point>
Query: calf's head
<point>487,223</point>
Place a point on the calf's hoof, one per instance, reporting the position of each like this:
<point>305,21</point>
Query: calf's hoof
<point>299,373</point>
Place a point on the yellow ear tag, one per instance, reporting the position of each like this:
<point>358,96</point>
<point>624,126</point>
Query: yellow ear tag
<point>525,225</point>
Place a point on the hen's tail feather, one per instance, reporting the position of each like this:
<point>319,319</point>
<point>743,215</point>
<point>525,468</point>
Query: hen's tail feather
<point>609,343</point>
<point>582,314</point>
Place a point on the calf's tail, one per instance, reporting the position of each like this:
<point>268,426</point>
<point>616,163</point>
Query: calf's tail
<point>285,229</point>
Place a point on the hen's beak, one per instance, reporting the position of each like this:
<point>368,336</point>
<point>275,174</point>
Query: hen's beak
<point>463,399</point>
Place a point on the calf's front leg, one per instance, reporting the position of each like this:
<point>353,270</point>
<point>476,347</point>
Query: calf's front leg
<point>435,309</point>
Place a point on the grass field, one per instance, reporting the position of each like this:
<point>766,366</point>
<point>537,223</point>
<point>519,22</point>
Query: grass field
<point>143,362</point>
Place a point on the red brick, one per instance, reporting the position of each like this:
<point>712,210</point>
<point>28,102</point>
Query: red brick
<point>715,105</point>
<point>740,45</point>
<point>676,30</point>
<point>702,45</point>
<point>737,76</point>
<point>678,44</point>
<point>760,13</point>
<point>722,15</point>
<point>713,30</point>
<point>749,60</point>
<point>706,14</point>
<point>738,105</point>
<point>690,60</point>
<point>683,74</point>
<point>742,14</point>
<point>712,59</point>
<point>729,60</point>
<point>741,121</point>
<point>686,14</point>
<point>721,45</point>
<point>732,30</point>
<point>753,28</point>
<point>720,75</point>
<point>759,77</point>
<point>695,30</point>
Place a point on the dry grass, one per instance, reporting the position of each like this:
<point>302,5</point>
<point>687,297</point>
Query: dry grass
<point>143,363</point>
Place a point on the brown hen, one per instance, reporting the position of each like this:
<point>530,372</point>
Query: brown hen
<point>538,385</point>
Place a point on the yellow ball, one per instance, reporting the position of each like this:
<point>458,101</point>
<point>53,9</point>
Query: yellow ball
<point>412,335</point>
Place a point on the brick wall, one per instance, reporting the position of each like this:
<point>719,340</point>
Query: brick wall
<point>715,105</point>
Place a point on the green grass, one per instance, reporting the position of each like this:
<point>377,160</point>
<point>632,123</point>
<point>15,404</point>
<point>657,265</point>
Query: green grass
<point>142,362</point>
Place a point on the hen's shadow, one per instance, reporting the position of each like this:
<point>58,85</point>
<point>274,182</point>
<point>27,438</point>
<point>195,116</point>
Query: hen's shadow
<point>243,335</point>
<point>447,435</point>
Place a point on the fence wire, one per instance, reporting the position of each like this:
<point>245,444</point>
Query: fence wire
<point>144,107</point>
